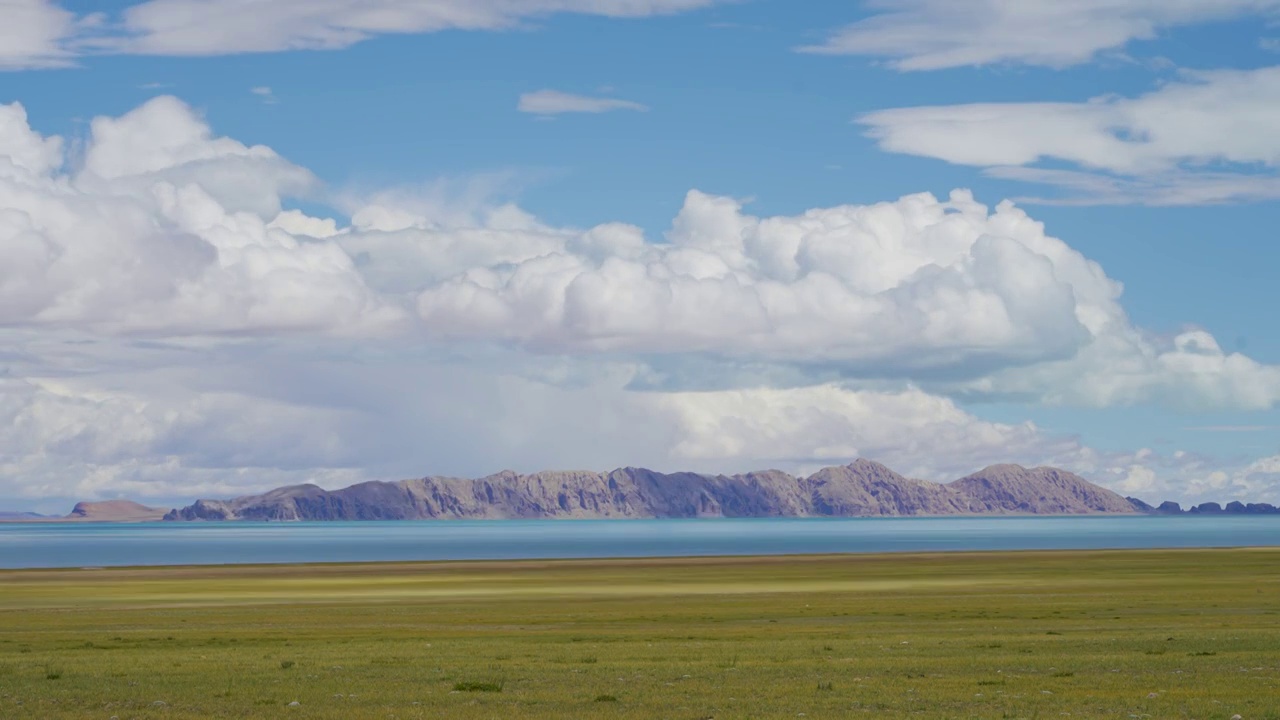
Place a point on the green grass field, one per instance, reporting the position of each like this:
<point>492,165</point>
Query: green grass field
<point>1159,634</point>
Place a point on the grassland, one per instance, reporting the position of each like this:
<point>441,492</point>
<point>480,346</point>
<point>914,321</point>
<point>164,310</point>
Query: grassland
<point>1160,634</point>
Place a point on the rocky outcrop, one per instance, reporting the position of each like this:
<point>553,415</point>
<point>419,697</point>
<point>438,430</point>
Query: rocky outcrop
<point>1234,507</point>
<point>862,488</point>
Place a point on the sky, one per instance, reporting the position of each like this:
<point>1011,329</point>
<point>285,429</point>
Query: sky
<point>251,243</point>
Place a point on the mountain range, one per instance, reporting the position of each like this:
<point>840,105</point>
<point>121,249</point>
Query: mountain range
<point>862,488</point>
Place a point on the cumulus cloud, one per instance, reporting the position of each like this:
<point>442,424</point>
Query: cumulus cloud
<point>1168,145</point>
<point>169,326</point>
<point>938,34</point>
<point>968,301</point>
<point>913,283</point>
<point>164,228</point>
<point>554,102</point>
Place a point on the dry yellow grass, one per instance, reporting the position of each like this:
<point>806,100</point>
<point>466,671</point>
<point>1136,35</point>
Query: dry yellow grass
<point>1172,634</point>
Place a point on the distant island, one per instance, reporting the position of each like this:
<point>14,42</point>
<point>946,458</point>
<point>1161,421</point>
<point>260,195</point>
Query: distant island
<point>860,489</point>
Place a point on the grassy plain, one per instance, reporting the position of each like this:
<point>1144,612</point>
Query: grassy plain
<point>1160,634</point>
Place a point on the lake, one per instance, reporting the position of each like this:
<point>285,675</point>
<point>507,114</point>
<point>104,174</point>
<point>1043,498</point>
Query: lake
<point>47,545</point>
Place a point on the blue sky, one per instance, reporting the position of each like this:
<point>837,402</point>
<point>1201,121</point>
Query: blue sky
<point>785,107</point>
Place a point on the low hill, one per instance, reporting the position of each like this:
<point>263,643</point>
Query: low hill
<point>6,516</point>
<point>862,488</point>
<point>115,511</point>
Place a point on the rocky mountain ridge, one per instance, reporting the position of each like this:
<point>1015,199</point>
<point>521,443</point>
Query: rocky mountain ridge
<point>862,488</point>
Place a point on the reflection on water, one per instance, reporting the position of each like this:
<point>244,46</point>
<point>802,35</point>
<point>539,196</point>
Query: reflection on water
<point>101,544</point>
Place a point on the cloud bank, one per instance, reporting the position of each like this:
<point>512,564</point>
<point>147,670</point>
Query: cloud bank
<point>170,326</point>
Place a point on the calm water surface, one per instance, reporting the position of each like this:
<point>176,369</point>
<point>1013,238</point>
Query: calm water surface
<point>104,544</point>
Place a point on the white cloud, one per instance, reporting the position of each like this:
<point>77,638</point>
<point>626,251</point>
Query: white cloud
<point>23,150</point>
<point>248,420</point>
<point>167,327</point>
<point>202,426</point>
<point>966,300</point>
<point>164,229</point>
<point>41,34</point>
<point>1184,477</point>
<point>299,224</point>
<point>1122,366</point>
<point>915,433</point>
<point>74,440</point>
<point>929,437</point>
<point>1177,187</point>
<point>915,283</point>
<point>1201,139</point>
<point>267,95</point>
<point>33,34</point>
<point>937,34</point>
<point>554,102</point>
<point>199,27</point>
<point>1217,116</point>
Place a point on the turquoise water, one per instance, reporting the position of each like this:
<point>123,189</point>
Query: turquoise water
<point>103,544</point>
